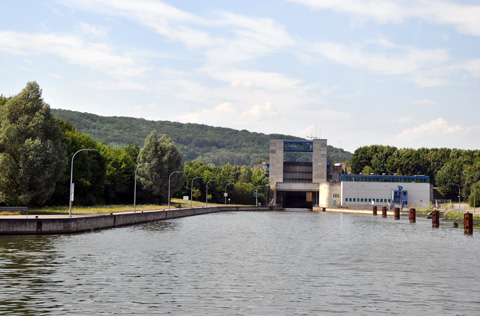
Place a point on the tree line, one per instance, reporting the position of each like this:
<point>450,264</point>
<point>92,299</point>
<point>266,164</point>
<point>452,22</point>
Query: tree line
<point>36,151</point>
<point>448,169</point>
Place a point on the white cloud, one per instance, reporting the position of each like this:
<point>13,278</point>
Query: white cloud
<point>465,18</point>
<point>438,127</point>
<point>113,85</point>
<point>384,11</point>
<point>145,109</point>
<point>387,59</point>
<point>424,102</point>
<point>254,79</point>
<point>424,67</point>
<point>252,37</point>
<point>221,115</point>
<point>91,30</point>
<point>245,38</point>
<point>471,66</point>
<point>94,55</point>
<point>161,17</point>
<point>443,74</point>
<point>426,80</point>
<point>258,112</point>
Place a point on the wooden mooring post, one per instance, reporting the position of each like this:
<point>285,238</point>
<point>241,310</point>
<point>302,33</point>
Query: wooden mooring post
<point>397,213</point>
<point>374,210</point>
<point>384,212</point>
<point>468,223</point>
<point>436,219</point>
<point>413,215</point>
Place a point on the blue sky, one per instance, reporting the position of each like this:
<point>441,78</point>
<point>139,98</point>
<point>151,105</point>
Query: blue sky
<point>400,73</point>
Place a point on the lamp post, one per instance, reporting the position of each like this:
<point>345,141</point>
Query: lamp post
<point>191,191</point>
<point>71,179</point>
<point>458,194</point>
<point>177,171</point>
<point>474,185</point>
<point>135,186</point>
<point>206,192</point>
<point>225,195</point>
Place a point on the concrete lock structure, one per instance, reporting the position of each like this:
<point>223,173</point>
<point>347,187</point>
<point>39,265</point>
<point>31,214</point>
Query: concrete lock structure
<point>296,184</point>
<point>308,184</point>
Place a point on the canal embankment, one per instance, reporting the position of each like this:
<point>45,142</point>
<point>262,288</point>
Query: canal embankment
<point>64,224</point>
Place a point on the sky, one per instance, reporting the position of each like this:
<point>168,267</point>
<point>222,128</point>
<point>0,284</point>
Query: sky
<point>356,72</point>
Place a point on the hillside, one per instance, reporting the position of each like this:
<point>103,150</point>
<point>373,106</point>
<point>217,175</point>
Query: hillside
<point>209,144</point>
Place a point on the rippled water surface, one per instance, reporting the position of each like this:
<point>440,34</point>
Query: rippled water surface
<point>246,263</point>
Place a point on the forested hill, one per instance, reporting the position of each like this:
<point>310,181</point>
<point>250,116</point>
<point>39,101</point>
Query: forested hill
<point>209,144</point>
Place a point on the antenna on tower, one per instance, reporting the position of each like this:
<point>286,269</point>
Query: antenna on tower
<point>313,137</point>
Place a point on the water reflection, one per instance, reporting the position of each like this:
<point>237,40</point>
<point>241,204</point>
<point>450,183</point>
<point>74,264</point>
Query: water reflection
<point>265,263</point>
<point>27,263</point>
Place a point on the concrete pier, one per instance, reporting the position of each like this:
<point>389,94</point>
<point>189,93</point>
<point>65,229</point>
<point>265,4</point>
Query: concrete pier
<point>63,224</point>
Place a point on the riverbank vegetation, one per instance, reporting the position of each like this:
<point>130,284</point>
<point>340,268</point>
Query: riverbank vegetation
<point>39,155</point>
<point>458,215</point>
<point>450,170</point>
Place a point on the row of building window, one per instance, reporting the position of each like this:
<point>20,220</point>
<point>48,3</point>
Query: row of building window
<point>367,200</point>
<point>399,179</point>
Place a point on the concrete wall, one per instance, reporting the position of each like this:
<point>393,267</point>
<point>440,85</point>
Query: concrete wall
<point>330,192</point>
<point>64,225</point>
<point>418,193</point>
<point>309,187</point>
<point>319,161</point>
<point>276,161</point>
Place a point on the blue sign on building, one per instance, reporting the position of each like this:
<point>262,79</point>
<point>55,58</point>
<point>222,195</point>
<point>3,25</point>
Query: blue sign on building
<point>400,197</point>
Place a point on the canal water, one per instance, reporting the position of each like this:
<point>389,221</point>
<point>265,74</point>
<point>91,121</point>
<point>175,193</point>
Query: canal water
<point>246,263</point>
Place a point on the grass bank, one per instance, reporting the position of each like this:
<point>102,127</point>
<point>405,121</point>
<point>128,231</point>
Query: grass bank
<point>105,209</point>
<point>458,215</point>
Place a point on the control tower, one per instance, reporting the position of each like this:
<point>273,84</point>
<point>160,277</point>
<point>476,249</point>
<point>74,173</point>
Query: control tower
<point>296,184</point>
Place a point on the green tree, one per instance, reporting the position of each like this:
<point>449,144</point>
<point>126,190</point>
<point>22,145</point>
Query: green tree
<point>196,194</point>
<point>259,181</point>
<point>367,170</point>
<point>3,99</point>
<point>379,160</point>
<point>132,151</point>
<point>32,155</point>
<point>89,170</point>
<point>475,195</point>
<point>361,157</point>
<point>120,169</point>
<point>243,193</point>
<point>164,158</point>
<point>471,174</point>
<point>450,174</point>
<point>245,174</point>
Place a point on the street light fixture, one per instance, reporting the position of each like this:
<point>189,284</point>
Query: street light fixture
<point>169,185</point>
<point>135,186</point>
<point>206,192</point>
<point>226,192</point>
<point>191,191</point>
<point>71,179</point>
<point>474,185</point>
